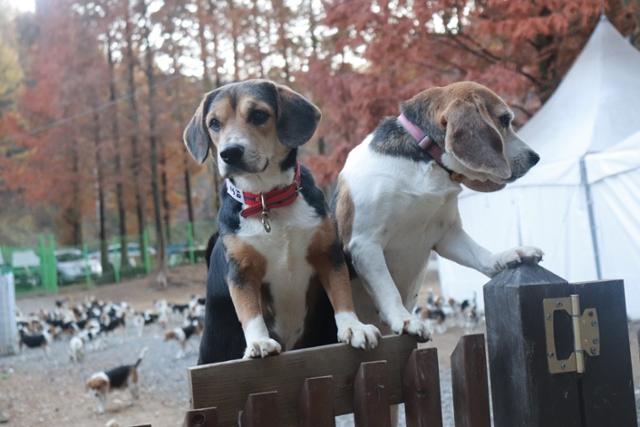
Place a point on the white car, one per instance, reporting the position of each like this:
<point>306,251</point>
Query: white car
<point>72,266</point>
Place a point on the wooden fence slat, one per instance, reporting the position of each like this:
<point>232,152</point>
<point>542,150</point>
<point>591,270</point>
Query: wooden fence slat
<point>261,410</point>
<point>469,382</point>
<point>371,395</point>
<point>205,417</point>
<point>421,389</point>
<point>226,385</point>
<point>316,402</point>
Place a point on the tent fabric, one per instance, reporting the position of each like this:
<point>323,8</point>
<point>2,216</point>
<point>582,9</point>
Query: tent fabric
<point>592,121</point>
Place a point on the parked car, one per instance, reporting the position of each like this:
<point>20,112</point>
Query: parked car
<point>72,265</point>
<point>133,252</point>
<point>26,267</point>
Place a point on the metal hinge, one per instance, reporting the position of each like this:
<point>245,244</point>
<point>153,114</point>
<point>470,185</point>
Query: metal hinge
<point>586,334</point>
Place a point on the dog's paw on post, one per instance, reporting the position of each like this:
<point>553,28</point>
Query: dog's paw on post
<point>516,256</point>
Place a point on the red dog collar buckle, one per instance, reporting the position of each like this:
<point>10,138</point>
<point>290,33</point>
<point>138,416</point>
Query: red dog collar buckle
<point>262,203</point>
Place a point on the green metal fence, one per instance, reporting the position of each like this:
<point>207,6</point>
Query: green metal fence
<point>47,266</point>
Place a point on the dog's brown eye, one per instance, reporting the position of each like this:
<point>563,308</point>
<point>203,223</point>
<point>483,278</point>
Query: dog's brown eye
<point>505,120</point>
<point>215,125</point>
<point>258,117</point>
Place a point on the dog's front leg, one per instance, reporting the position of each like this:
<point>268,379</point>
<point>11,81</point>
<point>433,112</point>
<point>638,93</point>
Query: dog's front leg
<point>247,269</point>
<point>326,257</point>
<point>457,246</point>
<point>369,262</point>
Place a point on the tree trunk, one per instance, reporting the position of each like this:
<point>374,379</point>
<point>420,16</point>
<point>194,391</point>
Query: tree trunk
<point>206,80</point>
<point>180,119</point>
<point>279,8</point>
<point>166,204</point>
<point>135,143</point>
<point>213,154</point>
<point>76,209</point>
<point>115,132</point>
<point>234,39</point>
<point>313,24</point>
<point>97,141</point>
<point>216,46</point>
<point>153,145</point>
<point>257,33</point>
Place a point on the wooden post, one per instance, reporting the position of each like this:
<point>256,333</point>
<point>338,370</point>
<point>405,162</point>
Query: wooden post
<point>469,382</point>
<point>316,402</point>
<point>371,395</point>
<point>261,410</point>
<point>205,417</point>
<point>519,361</point>
<point>421,389</point>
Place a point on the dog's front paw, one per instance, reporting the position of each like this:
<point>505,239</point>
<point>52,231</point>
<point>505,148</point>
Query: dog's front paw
<point>262,348</point>
<point>360,336</point>
<point>355,333</point>
<point>412,326</point>
<point>515,256</point>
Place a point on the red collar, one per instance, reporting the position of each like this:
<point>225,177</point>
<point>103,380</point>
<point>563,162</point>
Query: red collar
<point>262,203</point>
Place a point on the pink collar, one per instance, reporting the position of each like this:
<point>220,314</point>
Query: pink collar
<point>424,141</point>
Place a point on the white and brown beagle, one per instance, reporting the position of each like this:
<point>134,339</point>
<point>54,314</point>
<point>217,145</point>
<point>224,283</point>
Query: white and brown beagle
<point>121,377</point>
<point>277,275</point>
<point>397,196</point>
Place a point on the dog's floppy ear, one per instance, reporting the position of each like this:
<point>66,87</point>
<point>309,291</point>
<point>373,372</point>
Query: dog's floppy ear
<point>196,136</point>
<point>297,117</point>
<point>473,139</point>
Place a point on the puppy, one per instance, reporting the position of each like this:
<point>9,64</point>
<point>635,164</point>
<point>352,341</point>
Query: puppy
<point>182,335</point>
<point>397,195</point>
<point>76,349</point>
<point>38,340</point>
<point>121,377</point>
<point>278,257</point>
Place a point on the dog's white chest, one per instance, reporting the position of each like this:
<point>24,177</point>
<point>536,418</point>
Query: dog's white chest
<point>288,271</point>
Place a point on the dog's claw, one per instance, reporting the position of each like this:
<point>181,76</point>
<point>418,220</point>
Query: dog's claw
<point>359,335</point>
<point>262,348</point>
<point>413,326</point>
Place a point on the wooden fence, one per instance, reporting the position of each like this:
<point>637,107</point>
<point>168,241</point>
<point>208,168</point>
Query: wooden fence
<point>559,356</point>
<point>310,387</point>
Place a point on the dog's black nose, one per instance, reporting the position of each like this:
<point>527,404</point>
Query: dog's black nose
<point>232,154</point>
<point>533,158</point>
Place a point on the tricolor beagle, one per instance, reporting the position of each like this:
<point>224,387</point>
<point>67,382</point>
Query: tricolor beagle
<point>397,196</point>
<point>278,257</point>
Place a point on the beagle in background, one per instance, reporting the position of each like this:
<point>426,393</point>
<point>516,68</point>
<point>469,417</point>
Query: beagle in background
<point>397,196</point>
<point>182,335</point>
<point>41,340</point>
<point>277,276</point>
<point>121,377</point>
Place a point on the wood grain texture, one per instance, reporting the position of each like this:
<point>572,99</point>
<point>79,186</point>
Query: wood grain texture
<point>421,389</point>
<point>469,382</point>
<point>371,395</point>
<point>226,385</point>
<point>205,417</point>
<point>260,410</point>
<point>607,383</point>
<point>316,403</point>
<point>517,351</point>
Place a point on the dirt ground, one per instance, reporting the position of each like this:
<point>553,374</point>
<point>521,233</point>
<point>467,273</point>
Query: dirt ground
<point>48,390</point>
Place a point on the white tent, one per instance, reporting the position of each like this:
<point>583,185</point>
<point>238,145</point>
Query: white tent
<point>581,203</point>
